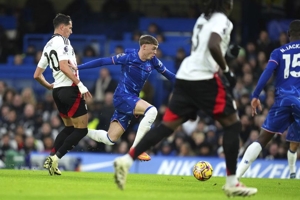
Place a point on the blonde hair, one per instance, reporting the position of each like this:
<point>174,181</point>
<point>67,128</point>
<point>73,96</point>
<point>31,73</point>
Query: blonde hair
<point>148,39</point>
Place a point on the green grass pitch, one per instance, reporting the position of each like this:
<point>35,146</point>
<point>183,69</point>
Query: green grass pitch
<point>36,185</point>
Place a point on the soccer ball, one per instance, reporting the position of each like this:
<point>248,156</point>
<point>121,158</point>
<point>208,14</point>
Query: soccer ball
<point>202,170</point>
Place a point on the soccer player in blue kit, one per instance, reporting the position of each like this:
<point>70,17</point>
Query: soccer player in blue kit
<point>285,64</point>
<point>137,66</point>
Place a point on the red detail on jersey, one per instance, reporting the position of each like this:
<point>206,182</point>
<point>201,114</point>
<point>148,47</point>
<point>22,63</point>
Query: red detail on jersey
<point>169,116</point>
<point>220,100</point>
<point>75,105</point>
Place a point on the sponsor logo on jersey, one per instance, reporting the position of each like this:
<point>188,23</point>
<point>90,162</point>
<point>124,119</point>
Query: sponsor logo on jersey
<point>66,49</point>
<point>120,55</point>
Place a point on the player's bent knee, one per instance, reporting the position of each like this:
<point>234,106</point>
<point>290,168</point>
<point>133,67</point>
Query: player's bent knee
<point>68,129</point>
<point>294,146</point>
<point>151,113</point>
<point>80,122</point>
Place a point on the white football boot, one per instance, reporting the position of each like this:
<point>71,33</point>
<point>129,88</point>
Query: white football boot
<point>239,190</point>
<point>46,166</point>
<point>122,166</point>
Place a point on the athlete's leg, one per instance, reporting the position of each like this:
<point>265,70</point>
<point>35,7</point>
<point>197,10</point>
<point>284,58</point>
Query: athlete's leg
<point>253,151</point>
<point>292,158</point>
<point>107,137</point>
<point>277,121</point>
<point>78,115</point>
<point>58,142</point>
<point>150,113</point>
<point>155,135</point>
<point>122,164</point>
<point>232,128</point>
<point>120,120</point>
<point>62,135</point>
<point>80,130</point>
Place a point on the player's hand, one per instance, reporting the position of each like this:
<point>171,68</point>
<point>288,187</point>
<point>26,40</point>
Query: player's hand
<point>233,50</point>
<point>72,65</point>
<point>83,90</point>
<point>50,86</point>
<point>87,95</point>
<point>230,78</point>
<point>255,104</point>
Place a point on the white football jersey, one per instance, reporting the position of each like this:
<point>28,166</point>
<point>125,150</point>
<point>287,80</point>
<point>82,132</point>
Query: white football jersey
<point>58,48</point>
<point>200,65</point>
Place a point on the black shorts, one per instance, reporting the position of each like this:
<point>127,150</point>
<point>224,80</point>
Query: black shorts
<point>69,102</point>
<point>210,96</point>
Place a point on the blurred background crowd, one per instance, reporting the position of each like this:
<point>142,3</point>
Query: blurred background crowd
<point>29,120</point>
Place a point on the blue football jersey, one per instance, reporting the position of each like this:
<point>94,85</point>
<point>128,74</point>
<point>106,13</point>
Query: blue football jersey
<point>134,71</point>
<point>287,72</point>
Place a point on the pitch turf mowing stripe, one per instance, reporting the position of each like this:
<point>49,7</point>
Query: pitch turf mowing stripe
<point>36,185</point>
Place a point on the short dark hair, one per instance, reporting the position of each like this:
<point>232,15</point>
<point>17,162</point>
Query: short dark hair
<point>148,39</point>
<point>61,19</point>
<point>294,28</point>
<point>211,6</point>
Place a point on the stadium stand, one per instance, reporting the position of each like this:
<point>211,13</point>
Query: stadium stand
<point>78,41</point>
<point>275,27</point>
<point>177,33</point>
<point>8,22</point>
<point>168,24</point>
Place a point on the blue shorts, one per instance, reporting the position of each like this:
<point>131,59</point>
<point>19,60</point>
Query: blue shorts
<point>282,114</point>
<point>293,134</point>
<point>124,108</point>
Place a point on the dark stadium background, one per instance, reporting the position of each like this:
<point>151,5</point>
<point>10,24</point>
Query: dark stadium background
<point>28,119</point>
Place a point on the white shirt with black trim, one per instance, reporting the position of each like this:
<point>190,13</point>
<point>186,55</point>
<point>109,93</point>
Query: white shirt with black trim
<point>58,48</point>
<point>200,65</point>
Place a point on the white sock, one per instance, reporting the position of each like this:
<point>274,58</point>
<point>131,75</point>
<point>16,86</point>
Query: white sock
<point>128,158</point>
<point>292,158</point>
<point>250,155</point>
<point>231,180</point>
<point>100,136</point>
<point>145,124</point>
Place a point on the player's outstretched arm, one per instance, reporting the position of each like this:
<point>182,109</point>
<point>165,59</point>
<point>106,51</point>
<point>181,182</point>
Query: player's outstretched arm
<point>96,63</point>
<point>161,68</point>
<point>169,75</point>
